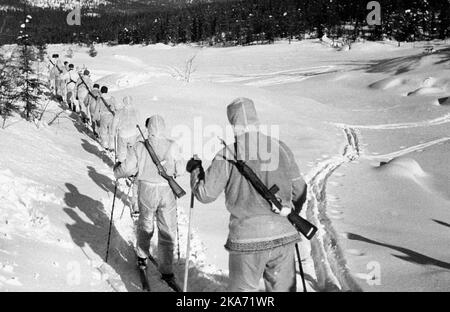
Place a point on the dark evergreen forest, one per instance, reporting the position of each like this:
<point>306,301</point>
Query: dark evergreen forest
<point>237,22</point>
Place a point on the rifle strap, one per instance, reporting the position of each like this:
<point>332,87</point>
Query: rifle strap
<point>236,163</point>
<point>71,81</point>
<point>150,148</point>
<point>108,107</point>
<point>57,67</point>
<point>87,88</point>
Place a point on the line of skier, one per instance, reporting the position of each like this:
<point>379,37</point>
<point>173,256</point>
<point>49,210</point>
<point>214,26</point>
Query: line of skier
<point>114,124</point>
<point>261,236</point>
<point>108,118</point>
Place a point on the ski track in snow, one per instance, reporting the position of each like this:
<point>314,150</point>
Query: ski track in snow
<point>406,151</point>
<point>274,78</point>
<point>406,125</point>
<point>331,271</point>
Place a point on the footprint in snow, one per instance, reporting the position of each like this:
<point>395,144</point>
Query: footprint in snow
<point>355,252</point>
<point>13,281</point>
<point>7,268</point>
<point>333,198</point>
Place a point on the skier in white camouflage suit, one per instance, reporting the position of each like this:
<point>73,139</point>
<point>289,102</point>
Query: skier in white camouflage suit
<point>261,239</point>
<point>52,73</point>
<point>107,111</point>
<point>92,102</point>
<point>58,72</point>
<point>82,92</point>
<point>156,199</point>
<point>71,82</point>
<point>124,125</point>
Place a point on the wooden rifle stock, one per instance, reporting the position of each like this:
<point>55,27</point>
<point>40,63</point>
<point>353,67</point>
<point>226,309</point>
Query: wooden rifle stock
<point>176,188</point>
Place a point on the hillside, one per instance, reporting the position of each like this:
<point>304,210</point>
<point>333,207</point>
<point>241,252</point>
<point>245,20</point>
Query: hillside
<point>369,128</point>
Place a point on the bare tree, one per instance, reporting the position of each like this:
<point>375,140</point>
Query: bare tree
<point>186,73</point>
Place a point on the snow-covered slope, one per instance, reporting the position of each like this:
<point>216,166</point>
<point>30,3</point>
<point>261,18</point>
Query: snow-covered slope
<point>56,190</point>
<point>342,113</point>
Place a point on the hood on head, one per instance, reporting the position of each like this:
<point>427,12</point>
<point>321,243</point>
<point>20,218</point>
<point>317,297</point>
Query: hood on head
<point>242,114</point>
<point>127,101</point>
<point>124,104</point>
<point>156,126</point>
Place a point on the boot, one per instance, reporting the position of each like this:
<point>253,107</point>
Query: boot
<point>142,263</point>
<point>171,281</point>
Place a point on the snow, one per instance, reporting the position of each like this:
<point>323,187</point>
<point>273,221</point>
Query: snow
<point>342,112</point>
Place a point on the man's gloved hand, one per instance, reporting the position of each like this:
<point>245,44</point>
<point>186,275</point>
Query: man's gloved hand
<point>284,212</point>
<point>193,164</point>
<point>117,165</point>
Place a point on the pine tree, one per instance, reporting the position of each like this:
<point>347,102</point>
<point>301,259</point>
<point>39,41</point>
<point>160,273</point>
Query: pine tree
<point>7,91</point>
<point>27,82</point>
<point>92,52</point>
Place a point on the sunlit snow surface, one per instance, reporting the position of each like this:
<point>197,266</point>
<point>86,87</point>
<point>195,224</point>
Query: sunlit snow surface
<point>368,127</point>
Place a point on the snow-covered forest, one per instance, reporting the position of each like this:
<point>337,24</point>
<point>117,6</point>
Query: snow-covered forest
<point>365,110</point>
<point>234,22</point>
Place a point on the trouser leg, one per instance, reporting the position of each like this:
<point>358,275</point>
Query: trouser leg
<point>134,199</point>
<point>111,136</point>
<point>145,228</point>
<point>246,270</point>
<point>121,148</point>
<point>104,130</point>
<point>64,91</point>
<point>56,86</point>
<point>167,226</point>
<point>279,274</point>
<point>70,98</point>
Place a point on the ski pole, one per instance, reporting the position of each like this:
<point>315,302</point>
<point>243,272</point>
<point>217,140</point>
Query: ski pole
<point>113,206</point>
<point>178,238</point>
<point>128,195</point>
<point>188,252</point>
<point>110,223</point>
<point>301,268</point>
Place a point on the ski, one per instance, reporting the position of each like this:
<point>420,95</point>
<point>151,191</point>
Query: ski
<point>144,278</point>
<point>170,282</point>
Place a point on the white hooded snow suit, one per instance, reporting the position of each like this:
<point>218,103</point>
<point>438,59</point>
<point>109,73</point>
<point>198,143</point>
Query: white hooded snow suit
<point>124,125</point>
<point>106,133</point>
<point>155,197</point>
